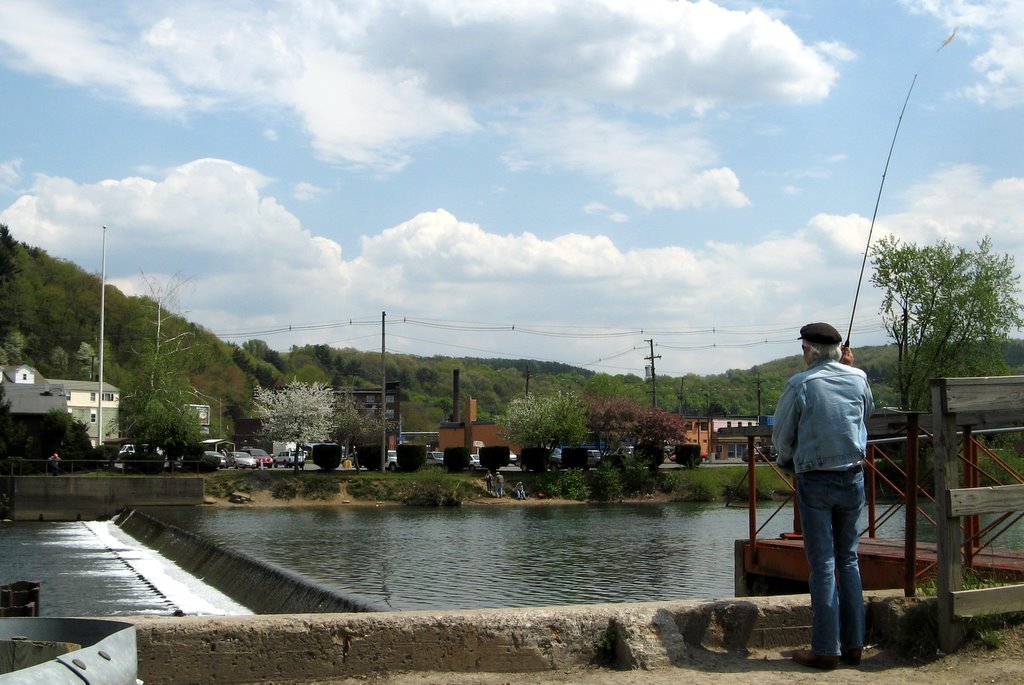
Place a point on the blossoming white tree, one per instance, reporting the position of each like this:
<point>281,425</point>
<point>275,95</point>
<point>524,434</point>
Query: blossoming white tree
<point>299,412</point>
<point>545,420</point>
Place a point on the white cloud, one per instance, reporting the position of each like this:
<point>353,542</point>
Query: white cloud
<point>10,174</point>
<point>304,191</point>
<point>370,81</point>
<point>600,209</point>
<point>252,266</point>
<point>671,167</point>
<point>47,40</point>
<point>997,25</point>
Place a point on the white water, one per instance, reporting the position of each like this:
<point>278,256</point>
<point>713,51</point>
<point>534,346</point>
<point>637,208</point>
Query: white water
<point>94,569</point>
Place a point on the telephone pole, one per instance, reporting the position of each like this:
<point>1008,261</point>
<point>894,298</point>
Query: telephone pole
<point>758,382</point>
<point>654,378</point>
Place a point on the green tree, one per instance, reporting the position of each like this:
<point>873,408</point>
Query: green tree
<point>350,425</point>
<point>12,437</point>
<point>545,420</point>
<point>60,432</point>
<point>949,311</point>
<point>298,412</point>
<point>155,400</point>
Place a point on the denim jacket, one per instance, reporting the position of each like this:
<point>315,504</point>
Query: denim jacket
<point>820,422</point>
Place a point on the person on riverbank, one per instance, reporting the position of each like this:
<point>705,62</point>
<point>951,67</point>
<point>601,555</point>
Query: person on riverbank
<point>520,491</point>
<point>489,482</point>
<point>499,485</point>
<point>821,434</point>
<point>54,464</point>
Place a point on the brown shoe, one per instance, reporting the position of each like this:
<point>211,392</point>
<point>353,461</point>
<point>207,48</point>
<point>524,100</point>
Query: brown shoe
<point>851,657</point>
<point>807,657</point>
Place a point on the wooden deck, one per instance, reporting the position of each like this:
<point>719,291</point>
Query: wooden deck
<point>778,564</point>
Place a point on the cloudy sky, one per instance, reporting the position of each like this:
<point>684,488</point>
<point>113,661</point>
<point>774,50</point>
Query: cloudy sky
<point>546,179</point>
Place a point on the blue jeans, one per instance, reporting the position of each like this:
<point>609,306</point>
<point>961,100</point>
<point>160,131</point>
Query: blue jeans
<point>830,506</point>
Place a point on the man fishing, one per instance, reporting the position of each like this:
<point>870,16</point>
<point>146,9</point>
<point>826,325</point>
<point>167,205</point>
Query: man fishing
<point>821,434</point>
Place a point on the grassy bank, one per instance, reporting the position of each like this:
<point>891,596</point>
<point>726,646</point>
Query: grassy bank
<point>435,487</point>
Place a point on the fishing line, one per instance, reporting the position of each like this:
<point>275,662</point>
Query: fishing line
<point>878,198</point>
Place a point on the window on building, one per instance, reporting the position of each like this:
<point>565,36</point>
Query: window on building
<point>108,397</point>
<point>92,397</point>
<point>92,417</point>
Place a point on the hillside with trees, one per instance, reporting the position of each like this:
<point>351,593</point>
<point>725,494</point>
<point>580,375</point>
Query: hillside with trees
<point>49,319</point>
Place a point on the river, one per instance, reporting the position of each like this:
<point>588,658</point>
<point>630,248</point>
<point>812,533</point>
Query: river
<point>408,558</point>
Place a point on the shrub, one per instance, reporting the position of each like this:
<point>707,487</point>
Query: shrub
<point>534,459</point>
<point>636,479</point>
<point>148,462</point>
<point>688,456</point>
<point>605,484</point>
<point>738,490</point>
<point>698,486</point>
<point>368,456</point>
<point>574,458</point>
<point>456,459</point>
<point>436,489</point>
<point>573,484</point>
<point>326,455</point>
<point>411,457</point>
<point>319,488</point>
<point>493,457</point>
<point>285,488</point>
<point>549,485</point>
<point>200,463</point>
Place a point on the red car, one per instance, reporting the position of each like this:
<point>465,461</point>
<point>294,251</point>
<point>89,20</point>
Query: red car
<point>264,460</point>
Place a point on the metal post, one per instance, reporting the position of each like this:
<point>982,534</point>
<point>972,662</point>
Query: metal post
<point>103,307</point>
<point>383,400</point>
<point>911,451</point>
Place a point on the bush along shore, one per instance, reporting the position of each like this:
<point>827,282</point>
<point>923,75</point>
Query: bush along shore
<point>437,487</point>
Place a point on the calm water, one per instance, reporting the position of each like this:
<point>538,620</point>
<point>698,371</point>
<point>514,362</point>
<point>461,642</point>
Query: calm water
<point>471,557</point>
<point>408,558</point>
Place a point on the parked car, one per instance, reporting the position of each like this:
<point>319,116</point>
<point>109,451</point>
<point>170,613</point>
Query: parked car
<point>555,459</point>
<point>221,458</point>
<point>263,459</point>
<point>244,460</point>
<point>435,459</point>
<point>286,458</point>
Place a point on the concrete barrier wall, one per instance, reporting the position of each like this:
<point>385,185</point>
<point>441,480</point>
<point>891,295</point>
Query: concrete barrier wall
<point>314,647</point>
<point>258,585</point>
<point>73,498</point>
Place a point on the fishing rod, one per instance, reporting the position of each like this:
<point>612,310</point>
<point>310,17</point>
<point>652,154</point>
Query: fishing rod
<point>878,198</point>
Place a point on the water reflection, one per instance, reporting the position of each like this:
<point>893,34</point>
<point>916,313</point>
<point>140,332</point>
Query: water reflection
<point>472,557</point>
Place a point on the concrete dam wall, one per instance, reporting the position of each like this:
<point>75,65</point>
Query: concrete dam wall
<point>262,587</point>
<point>69,498</point>
<point>317,648</point>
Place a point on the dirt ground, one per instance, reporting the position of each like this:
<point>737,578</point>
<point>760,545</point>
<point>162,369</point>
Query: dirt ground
<point>973,664</point>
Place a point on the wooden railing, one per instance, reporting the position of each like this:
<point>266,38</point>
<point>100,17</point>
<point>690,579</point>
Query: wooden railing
<point>960,406</point>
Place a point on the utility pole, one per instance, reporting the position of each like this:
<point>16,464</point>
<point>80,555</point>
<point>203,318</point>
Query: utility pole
<point>682,396</point>
<point>758,383</point>
<point>654,378</point>
<point>383,400</point>
<point>527,374</point>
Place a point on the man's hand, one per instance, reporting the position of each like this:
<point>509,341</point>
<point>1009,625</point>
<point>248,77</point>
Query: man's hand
<point>847,356</point>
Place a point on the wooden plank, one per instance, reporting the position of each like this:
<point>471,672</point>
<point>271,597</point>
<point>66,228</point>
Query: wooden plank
<point>989,500</point>
<point>988,601</point>
<point>983,394</point>
<point>949,538</point>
